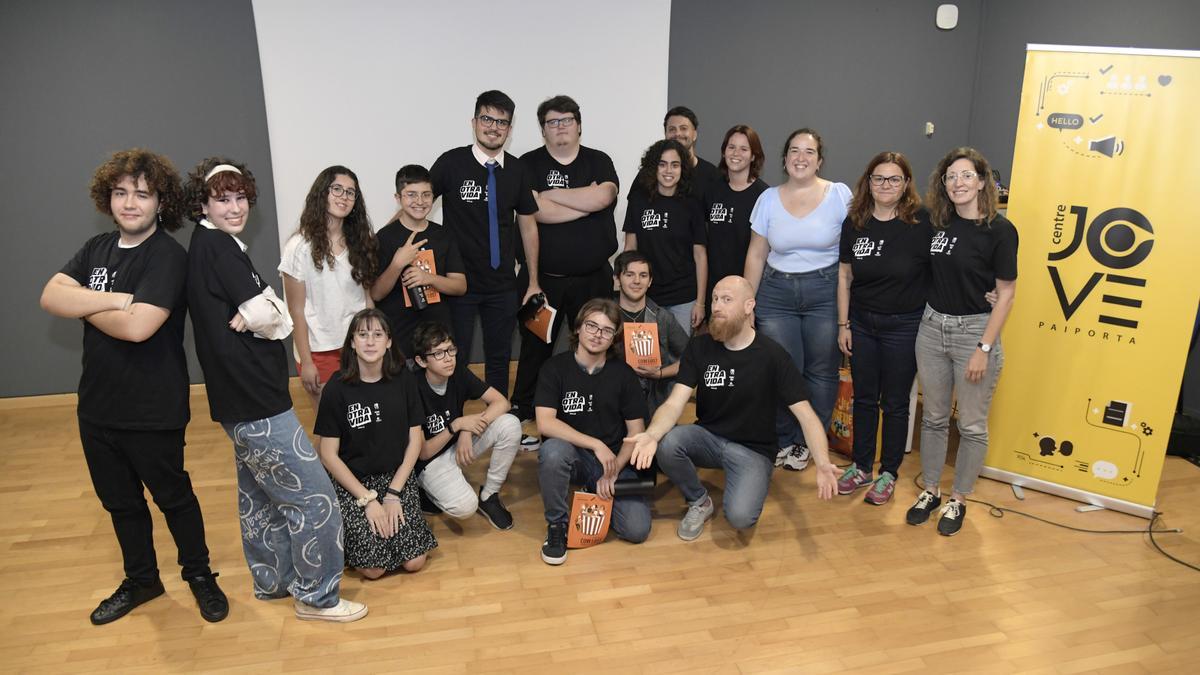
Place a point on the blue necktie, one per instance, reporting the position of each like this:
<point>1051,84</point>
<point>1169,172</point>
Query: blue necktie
<point>493,218</point>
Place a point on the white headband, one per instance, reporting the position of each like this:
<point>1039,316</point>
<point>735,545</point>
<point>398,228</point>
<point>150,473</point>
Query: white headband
<point>218,169</point>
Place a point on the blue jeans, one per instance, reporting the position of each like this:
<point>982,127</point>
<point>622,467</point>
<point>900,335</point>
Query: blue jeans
<point>497,312</point>
<point>799,311</point>
<point>883,365</point>
<point>560,464</point>
<point>747,473</point>
<point>682,314</point>
<point>944,344</point>
<point>291,523</point>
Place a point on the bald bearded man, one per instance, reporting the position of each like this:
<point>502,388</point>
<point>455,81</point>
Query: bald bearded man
<point>739,378</point>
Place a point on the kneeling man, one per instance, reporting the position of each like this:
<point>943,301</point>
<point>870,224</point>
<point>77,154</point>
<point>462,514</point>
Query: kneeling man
<point>739,377</point>
<point>586,401</point>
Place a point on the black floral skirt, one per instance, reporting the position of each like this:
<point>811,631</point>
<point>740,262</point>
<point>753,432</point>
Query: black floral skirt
<point>365,549</point>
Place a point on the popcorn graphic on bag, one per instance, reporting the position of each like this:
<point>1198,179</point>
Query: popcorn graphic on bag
<point>590,519</point>
<point>642,343</point>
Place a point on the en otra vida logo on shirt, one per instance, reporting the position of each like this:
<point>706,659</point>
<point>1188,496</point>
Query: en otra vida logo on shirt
<point>652,220</point>
<point>719,213</point>
<point>865,248</point>
<point>942,244</point>
<point>573,403</point>
<point>716,377</point>
<point>359,415</point>
<point>557,179</point>
<point>99,279</point>
<point>470,191</point>
<point>436,423</point>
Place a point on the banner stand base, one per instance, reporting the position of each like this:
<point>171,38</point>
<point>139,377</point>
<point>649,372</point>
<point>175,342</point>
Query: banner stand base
<point>1111,503</point>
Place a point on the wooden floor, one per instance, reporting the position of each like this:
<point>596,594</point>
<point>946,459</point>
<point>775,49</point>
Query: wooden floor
<point>818,587</point>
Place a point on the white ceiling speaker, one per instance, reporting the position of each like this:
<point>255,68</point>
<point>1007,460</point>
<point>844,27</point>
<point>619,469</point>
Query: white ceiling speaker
<point>947,16</point>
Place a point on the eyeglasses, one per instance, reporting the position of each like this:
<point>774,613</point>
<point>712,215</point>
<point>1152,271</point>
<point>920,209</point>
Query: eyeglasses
<point>442,354</point>
<point>488,122</point>
<point>413,196</point>
<point>894,181</point>
<point>339,191</point>
<point>567,122</point>
<point>593,328</point>
<point>365,335</point>
<point>965,176</point>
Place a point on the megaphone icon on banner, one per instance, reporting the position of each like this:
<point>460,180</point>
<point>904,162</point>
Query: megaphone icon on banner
<point>1107,146</point>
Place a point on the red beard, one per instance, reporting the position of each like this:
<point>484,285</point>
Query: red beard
<point>723,328</point>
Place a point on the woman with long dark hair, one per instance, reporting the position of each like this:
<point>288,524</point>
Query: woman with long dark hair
<point>883,276</point>
<point>664,222</point>
<point>973,250</point>
<point>369,422</point>
<point>328,266</point>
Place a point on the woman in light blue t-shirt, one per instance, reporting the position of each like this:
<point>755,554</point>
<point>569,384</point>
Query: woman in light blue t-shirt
<point>793,264</point>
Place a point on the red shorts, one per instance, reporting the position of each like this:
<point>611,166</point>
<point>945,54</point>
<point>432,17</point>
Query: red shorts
<point>327,364</point>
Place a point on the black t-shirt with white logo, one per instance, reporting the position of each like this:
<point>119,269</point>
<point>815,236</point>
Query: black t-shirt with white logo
<point>728,215</point>
<point>739,392</point>
<point>134,385</point>
<point>246,377</point>
<point>966,260</point>
<point>706,177</point>
<point>582,246</point>
<point>890,261</point>
<point>666,229</point>
<point>446,260</point>
<point>372,419</point>
<point>461,181</point>
<point>439,410</point>
<point>593,404</point>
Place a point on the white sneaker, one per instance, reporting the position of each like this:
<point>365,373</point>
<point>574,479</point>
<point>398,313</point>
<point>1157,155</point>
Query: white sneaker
<point>793,457</point>
<point>783,452</point>
<point>530,443</point>
<point>343,612</point>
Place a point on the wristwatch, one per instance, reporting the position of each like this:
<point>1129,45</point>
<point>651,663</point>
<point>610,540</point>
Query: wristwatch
<point>367,498</point>
<point>986,349</point>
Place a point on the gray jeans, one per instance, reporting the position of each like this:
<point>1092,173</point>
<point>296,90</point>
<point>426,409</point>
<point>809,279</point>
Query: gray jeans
<point>944,345</point>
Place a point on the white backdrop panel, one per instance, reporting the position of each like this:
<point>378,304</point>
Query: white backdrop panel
<point>374,85</point>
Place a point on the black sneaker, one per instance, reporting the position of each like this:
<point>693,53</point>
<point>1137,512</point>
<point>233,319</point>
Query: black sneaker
<point>130,594</point>
<point>952,518</point>
<point>213,604</point>
<point>427,505</point>
<point>554,549</point>
<point>494,511</point>
<point>927,501</point>
<point>522,413</point>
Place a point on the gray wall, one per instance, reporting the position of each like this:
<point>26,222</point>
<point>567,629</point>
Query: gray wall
<point>83,79</point>
<point>1010,25</point>
<point>866,74</point>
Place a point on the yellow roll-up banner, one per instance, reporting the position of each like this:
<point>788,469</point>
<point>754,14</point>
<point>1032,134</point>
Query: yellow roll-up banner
<point>1106,170</point>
